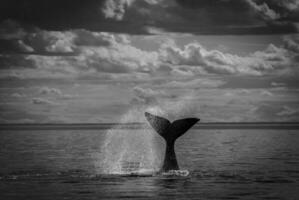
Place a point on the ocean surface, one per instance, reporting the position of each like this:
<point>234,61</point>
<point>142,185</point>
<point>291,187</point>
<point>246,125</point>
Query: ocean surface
<point>223,164</point>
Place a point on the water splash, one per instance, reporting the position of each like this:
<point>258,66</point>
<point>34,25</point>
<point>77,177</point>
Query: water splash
<point>127,147</point>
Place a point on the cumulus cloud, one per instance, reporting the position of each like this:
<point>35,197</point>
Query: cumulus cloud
<point>181,73</point>
<point>18,95</point>
<point>287,111</point>
<point>14,39</point>
<point>217,62</point>
<point>194,54</point>
<point>88,38</point>
<point>194,84</point>
<point>50,41</point>
<point>120,58</point>
<point>116,8</point>
<point>291,42</point>
<point>94,53</point>
<point>266,93</point>
<point>213,16</point>
<point>264,10</point>
<point>224,16</point>
<point>244,91</point>
<point>291,4</point>
<point>14,46</point>
<point>55,91</point>
<point>41,101</point>
<point>275,84</point>
<point>23,47</point>
<point>46,90</point>
<point>146,95</point>
<point>117,55</point>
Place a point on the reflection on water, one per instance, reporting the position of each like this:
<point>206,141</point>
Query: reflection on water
<point>223,164</point>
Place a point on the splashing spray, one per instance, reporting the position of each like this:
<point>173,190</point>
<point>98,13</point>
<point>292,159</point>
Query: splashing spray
<point>136,150</point>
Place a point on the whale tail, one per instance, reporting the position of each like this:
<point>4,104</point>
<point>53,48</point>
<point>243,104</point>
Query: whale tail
<point>170,132</point>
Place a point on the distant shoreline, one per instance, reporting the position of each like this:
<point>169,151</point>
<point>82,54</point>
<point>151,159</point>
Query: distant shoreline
<point>105,126</point>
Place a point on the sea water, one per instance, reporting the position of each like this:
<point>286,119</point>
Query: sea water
<point>223,164</point>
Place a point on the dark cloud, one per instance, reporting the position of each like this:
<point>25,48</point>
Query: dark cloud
<point>137,16</point>
<point>228,17</point>
<point>15,61</point>
<point>50,13</point>
<point>14,46</point>
<point>87,38</point>
<point>63,15</point>
<point>16,39</point>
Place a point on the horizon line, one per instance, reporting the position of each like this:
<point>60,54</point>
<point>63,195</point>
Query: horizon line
<point>139,125</point>
<point>98,123</point>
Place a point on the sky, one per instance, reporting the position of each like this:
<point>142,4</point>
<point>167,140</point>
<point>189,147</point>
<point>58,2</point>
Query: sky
<point>93,61</point>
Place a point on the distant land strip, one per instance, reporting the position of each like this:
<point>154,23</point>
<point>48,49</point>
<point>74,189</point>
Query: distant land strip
<point>106,126</point>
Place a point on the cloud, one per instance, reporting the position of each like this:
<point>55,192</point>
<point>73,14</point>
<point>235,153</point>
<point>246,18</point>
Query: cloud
<point>194,84</point>
<point>10,29</point>
<point>266,93</point>
<point>177,108</point>
<point>55,91</point>
<point>223,17</point>
<point>291,42</point>
<point>264,10</point>
<point>17,121</point>
<point>194,54</point>
<point>41,101</point>
<point>116,8</point>
<point>275,84</point>
<point>132,16</point>
<point>67,96</point>
<point>216,62</point>
<point>23,47</point>
<point>76,51</point>
<point>18,95</point>
<point>287,111</point>
<point>50,41</point>
<point>145,96</point>
<point>16,61</point>
<point>46,91</point>
<point>15,39</point>
<point>117,59</point>
<point>82,53</point>
<point>183,72</point>
<point>88,38</point>
<point>244,91</point>
<point>14,46</point>
<point>291,5</point>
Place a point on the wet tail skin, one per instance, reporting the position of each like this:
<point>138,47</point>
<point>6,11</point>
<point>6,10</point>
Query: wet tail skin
<point>170,132</point>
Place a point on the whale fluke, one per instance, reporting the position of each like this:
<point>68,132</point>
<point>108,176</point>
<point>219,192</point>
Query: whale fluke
<point>170,132</point>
